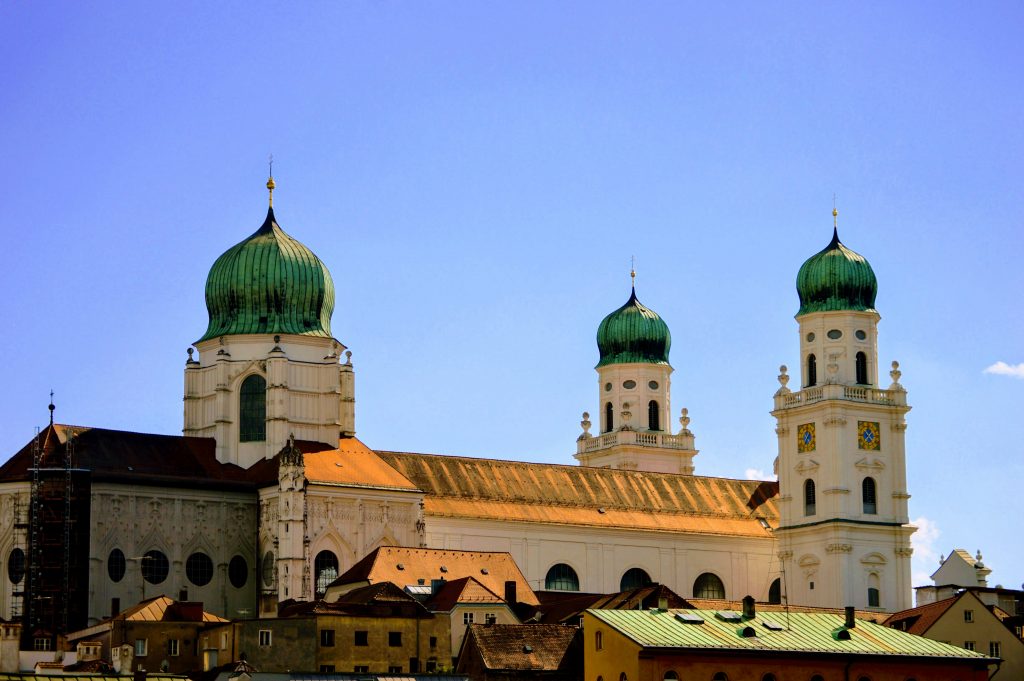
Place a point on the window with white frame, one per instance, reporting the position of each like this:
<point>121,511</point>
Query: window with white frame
<point>173,649</point>
<point>265,638</point>
<point>467,618</point>
<point>994,649</point>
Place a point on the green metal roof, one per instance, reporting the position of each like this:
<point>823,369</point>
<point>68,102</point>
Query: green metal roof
<point>633,333</point>
<point>836,278</point>
<point>796,632</point>
<point>269,283</point>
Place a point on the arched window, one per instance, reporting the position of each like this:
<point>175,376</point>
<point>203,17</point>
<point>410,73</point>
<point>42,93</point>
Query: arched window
<point>155,567</point>
<point>16,566</point>
<point>769,677</point>
<point>252,411</point>
<point>325,567</point>
<point>874,594</point>
<point>812,371</point>
<point>238,572</point>
<point>116,565</point>
<point>609,421</point>
<point>598,640</point>
<point>862,368</point>
<point>199,569</point>
<point>708,586</point>
<point>817,677</point>
<point>653,419</point>
<point>720,676</point>
<point>810,505</point>
<point>869,496</point>
<point>775,592</point>
<point>561,577</point>
<point>670,676</point>
<point>634,579</point>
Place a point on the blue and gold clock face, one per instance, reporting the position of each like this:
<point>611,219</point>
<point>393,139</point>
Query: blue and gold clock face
<point>805,438</point>
<point>868,435</point>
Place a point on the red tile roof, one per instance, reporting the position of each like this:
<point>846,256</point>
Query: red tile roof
<point>522,647</point>
<point>920,619</point>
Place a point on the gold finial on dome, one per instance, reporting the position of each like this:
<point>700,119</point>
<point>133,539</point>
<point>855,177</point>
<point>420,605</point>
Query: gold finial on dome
<point>270,181</point>
<point>835,217</point>
<point>632,270</point>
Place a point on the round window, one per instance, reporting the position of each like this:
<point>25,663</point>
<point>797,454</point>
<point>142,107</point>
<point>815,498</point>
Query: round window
<point>155,567</point>
<point>199,569</point>
<point>835,334</point>
<point>860,335</point>
<point>811,337</point>
<point>653,385</point>
<point>238,572</point>
<point>629,385</point>
<point>16,566</point>
<point>607,387</point>
<point>268,568</point>
<point>115,565</point>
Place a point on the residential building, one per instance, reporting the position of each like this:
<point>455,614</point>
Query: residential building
<point>513,652</point>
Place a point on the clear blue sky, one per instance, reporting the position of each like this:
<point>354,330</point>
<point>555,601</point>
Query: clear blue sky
<point>477,176</point>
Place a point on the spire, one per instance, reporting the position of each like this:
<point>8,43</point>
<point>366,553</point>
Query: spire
<point>835,221</point>
<point>270,181</point>
<point>632,273</point>
<point>51,407</point>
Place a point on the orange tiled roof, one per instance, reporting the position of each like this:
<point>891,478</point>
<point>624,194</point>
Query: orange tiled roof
<point>523,647</point>
<point>160,609</point>
<point>464,590</point>
<point>353,464</point>
<point>492,489</point>
<point>405,565</point>
<point>920,619</point>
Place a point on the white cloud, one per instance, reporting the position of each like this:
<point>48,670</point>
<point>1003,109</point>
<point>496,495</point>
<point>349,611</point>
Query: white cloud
<point>1004,369</point>
<point>757,474</point>
<point>925,560</point>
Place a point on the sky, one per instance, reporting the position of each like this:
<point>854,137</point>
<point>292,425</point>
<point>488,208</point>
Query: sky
<point>478,176</point>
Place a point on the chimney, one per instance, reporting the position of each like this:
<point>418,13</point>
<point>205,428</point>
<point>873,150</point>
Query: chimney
<point>749,612</point>
<point>663,604</point>
<point>436,585</point>
<point>851,619</point>
<point>510,592</point>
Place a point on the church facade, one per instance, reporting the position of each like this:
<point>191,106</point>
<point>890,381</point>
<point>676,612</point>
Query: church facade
<point>268,495</point>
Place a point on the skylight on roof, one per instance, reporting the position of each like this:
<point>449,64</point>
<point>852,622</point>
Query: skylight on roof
<point>689,618</point>
<point>772,626</point>
<point>729,616</point>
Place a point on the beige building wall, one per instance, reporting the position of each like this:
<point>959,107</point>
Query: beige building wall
<point>981,628</point>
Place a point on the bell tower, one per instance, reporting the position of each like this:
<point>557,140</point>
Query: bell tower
<point>268,366</point>
<point>844,535</point>
<point>634,387</point>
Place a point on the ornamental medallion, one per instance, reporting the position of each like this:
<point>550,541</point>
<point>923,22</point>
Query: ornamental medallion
<point>868,436</point>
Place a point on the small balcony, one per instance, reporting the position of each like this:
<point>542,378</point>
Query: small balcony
<point>637,438</point>
<point>835,391</point>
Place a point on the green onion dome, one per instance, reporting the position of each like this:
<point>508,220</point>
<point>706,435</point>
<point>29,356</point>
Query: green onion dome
<point>633,333</point>
<point>836,278</point>
<point>269,283</point>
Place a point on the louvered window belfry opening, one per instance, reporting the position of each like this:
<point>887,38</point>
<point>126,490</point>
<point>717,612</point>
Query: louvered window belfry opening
<point>609,424</point>
<point>252,409</point>
<point>869,493</point>
<point>862,368</point>
<point>812,371</point>
<point>810,506</point>
<point>653,419</point>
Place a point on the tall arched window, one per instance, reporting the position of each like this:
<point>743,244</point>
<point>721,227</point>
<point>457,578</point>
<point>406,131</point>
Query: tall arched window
<point>708,586</point>
<point>775,592</point>
<point>812,371</point>
<point>862,368</point>
<point>561,577</point>
<point>653,419</point>
<point>325,567</point>
<point>608,418</point>
<point>810,505</point>
<point>634,579</point>
<point>869,495</point>
<point>252,411</point>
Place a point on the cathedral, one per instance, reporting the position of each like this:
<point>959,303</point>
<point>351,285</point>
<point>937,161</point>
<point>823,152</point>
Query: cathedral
<point>268,495</point>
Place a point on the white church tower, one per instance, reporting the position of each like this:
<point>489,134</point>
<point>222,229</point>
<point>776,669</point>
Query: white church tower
<point>268,366</point>
<point>844,533</point>
<point>634,384</point>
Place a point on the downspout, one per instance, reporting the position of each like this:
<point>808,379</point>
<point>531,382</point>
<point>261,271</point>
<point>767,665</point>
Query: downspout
<point>846,670</point>
<point>999,665</point>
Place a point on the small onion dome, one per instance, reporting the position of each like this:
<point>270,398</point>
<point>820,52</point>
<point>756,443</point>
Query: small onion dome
<point>836,278</point>
<point>633,333</point>
<point>269,283</point>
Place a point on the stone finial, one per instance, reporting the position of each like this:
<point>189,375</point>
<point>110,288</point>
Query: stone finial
<point>627,416</point>
<point>942,558</point>
<point>191,359</point>
<point>348,357</point>
<point>895,375</point>
<point>585,424</point>
<point>783,381</point>
<point>684,421</point>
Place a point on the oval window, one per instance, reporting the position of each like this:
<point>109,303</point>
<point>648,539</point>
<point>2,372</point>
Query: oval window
<point>155,567</point>
<point>607,387</point>
<point>653,385</point>
<point>629,385</point>
<point>268,568</point>
<point>238,572</point>
<point>16,566</point>
<point>811,337</point>
<point>860,335</point>
<point>199,569</point>
<point>835,334</point>
<point>115,565</point>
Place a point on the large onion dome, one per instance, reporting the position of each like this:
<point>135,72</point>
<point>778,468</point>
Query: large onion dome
<point>633,333</point>
<point>269,283</point>
<point>836,278</point>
